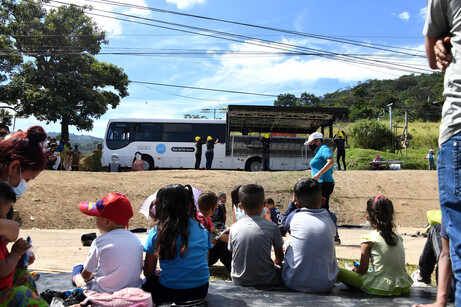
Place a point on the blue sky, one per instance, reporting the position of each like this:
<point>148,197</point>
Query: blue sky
<point>244,66</point>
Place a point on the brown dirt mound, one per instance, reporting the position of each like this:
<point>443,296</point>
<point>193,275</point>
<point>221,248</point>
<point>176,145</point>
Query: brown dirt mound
<point>51,201</point>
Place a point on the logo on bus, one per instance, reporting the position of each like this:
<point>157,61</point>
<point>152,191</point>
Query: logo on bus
<point>160,148</point>
<point>182,149</point>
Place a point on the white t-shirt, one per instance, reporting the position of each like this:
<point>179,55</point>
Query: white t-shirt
<point>310,261</point>
<point>117,255</point>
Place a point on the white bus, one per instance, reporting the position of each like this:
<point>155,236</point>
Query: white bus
<point>170,143</point>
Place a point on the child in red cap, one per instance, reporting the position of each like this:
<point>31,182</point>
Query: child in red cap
<point>116,253</point>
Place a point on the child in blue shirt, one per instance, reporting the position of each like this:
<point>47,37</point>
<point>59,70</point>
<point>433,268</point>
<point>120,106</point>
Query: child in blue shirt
<point>181,245</point>
<point>276,216</point>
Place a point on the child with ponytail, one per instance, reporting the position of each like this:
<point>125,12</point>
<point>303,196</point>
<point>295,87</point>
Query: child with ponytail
<point>384,248</point>
<point>180,243</point>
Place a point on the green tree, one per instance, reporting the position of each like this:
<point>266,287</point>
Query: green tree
<point>309,100</point>
<point>368,134</point>
<point>64,82</point>
<point>286,100</point>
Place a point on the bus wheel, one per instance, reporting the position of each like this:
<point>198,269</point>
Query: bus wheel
<point>148,163</point>
<point>253,165</point>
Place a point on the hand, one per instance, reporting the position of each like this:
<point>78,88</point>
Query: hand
<point>442,55</point>
<point>20,246</point>
<point>316,177</point>
<point>9,230</point>
<point>224,237</point>
<point>31,258</point>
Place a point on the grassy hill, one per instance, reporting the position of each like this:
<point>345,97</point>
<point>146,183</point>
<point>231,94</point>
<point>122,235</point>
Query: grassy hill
<point>86,143</point>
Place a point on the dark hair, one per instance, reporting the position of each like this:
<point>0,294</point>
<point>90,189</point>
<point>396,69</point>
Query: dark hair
<point>173,207</point>
<point>221,194</point>
<point>308,192</point>
<point>269,201</point>
<point>251,195</point>
<point>207,201</point>
<point>235,195</point>
<point>25,147</point>
<point>6,193</point>
<point>381,214</point>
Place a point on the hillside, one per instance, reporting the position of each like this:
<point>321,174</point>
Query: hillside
<point>86,143</point>
<point>370,99</point>
<point>51,201</point>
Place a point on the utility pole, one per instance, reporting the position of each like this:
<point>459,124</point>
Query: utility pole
<point>390,126</point>
<point>406,131</point>
<point>390,115</point>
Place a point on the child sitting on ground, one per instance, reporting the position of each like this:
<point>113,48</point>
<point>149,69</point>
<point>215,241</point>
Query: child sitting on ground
<point>207,203</point>
<point>219,217</point>
<point>275,215</point>
<point>17,285</point>
<point>251,240</point>
<point>310,261</point>
<point>116,253</point>
<point>385,249</point>
<point>181,245</point>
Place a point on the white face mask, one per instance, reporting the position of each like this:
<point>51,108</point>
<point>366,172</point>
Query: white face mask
<point>21,187</point>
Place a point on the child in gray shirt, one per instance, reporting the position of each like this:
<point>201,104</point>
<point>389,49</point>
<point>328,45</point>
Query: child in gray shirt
<point>251,240</point>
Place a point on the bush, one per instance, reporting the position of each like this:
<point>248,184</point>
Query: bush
<point>92,162</point>
<point>369,134</point>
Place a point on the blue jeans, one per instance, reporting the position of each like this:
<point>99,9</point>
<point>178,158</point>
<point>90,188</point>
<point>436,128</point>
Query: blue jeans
<point>449,176</point>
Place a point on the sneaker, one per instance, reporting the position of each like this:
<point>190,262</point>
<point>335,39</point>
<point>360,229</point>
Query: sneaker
<point>337,240</point>
<point>418,281</point>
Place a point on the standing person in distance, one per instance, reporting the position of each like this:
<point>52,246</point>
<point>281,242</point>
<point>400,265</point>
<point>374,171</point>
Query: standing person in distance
<point>198,151</point>
<point>340,150</point>
<point>431,160</point>
<point>4,129</point>
<point>209,154</point>
<point>266,154</point>
<point>322,171</point>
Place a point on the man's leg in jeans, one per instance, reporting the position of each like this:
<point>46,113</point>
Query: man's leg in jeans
<point>449,176</point>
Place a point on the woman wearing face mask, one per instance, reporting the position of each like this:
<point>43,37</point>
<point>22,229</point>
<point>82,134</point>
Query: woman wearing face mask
<point>21,159</point>
<point>322,170</point>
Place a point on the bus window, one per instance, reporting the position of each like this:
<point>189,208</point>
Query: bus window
<point>216,131</point>
<point>147,132</point>
<point>177,133</point>
<point>118,135</point>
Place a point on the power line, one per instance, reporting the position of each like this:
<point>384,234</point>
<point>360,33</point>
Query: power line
<point>261,42</point>
<point>203,88</point>
<point>298,33</point>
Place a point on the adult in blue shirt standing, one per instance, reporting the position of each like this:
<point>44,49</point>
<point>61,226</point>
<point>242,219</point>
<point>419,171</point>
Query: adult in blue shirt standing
<point>322,170</point>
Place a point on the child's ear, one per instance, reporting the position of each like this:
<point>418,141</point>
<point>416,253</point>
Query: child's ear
<point>322,202</point>
<point>297,205</point>
<point>240,206</point>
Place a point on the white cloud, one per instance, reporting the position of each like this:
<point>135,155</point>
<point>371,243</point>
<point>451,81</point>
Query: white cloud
<point>423,12</point>
<point>273,75</point>
<point>404,16</point>
<point>185,4</point>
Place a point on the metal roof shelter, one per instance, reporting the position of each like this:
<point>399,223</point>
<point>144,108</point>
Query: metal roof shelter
<point>282,119</point>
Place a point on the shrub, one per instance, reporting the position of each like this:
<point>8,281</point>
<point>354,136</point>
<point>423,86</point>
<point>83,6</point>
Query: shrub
<point>369,134</point>
<point>92,162</point>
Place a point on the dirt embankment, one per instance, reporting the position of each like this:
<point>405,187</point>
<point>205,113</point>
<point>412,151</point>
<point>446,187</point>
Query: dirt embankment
<point>51,201</point>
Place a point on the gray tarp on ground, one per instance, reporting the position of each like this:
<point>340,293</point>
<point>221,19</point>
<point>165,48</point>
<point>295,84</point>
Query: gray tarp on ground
<point>222,293</point>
